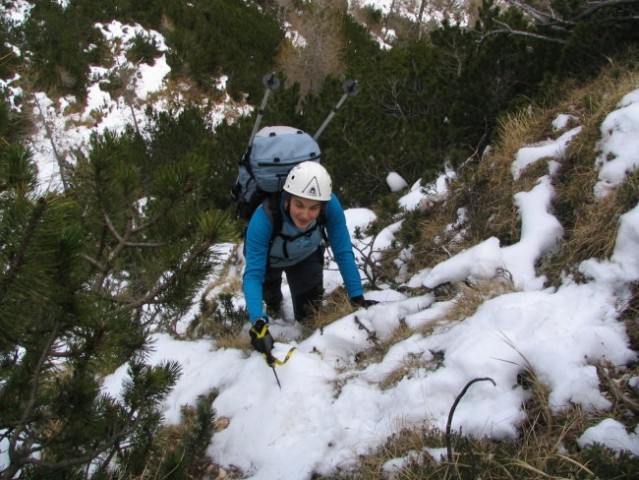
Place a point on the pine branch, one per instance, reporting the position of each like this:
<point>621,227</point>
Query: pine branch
<point>110,443</point>
<point>549,17</point>
<point>18,260</point>
<point>100,266</point>
<point>539,16</point>
<point>598,5</point>
<point>172,280</point>
<point>31,402</point>
<point>123,243</point>
<point>507,29</point>
<point>62,163</point>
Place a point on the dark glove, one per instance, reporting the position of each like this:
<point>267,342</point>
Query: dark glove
<point>261,338</point>
<point>360,301</point>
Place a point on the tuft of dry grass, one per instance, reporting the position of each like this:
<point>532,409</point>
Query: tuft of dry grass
<point>470,296</point>
<point>335,306</point>
<point>435,244</point>
<point>593,233</point>
<point>630,316</point>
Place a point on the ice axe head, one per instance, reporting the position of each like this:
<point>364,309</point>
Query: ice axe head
<point>351,87</point>
<point>271,81</point>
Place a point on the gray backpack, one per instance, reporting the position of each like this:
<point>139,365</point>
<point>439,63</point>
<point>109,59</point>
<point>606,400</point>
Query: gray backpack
<point>263,170</point>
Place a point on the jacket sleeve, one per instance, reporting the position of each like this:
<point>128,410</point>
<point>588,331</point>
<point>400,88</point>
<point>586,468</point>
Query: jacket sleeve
<point>256,245</point>
<point>340,242</point>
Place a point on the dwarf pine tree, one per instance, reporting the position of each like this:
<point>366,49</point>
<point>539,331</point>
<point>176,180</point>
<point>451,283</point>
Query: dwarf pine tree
<point>85,276</point>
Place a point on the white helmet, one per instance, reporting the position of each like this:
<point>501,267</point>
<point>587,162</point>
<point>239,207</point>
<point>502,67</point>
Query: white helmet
<point>309,180</point>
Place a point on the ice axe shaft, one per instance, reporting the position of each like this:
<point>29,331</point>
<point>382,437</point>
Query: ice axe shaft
<point>271,362</point>
<point>350,88</point>
<point>276,377</point>
<point>271,82</point>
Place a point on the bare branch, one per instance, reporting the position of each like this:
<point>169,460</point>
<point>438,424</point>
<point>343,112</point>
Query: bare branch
<point>163,287</point>
<point>510,31</point>
<point>35,382</point>
<point>62,163</point>
<point>122,241</point>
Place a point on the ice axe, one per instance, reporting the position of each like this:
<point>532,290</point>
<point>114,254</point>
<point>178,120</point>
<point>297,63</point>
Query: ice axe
<point>272,361</point>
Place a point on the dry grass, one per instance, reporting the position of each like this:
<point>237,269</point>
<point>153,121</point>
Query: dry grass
<point>484,191</point>
<point>591,223</point>
<point>470,296</point>
<point>630,316</point>
<point>336,305</point>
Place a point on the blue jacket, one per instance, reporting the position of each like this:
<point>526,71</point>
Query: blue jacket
<point>258,238</point>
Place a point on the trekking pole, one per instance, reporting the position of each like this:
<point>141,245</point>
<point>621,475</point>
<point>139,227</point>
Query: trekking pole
<point>271,82</point>
<point>350,88</point>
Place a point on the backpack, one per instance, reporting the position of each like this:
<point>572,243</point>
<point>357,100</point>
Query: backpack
<point>263,169</point>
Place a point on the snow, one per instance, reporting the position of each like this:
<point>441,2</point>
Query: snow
<point>614,435</point>
<point>331,409</point>
<point>531,154</point>
<point>619,144</point>
<point>395,182</point>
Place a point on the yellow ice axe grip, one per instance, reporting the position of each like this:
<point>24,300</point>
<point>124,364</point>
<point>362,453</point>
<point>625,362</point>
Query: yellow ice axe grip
<point>261,333</point>
<point>276,361</point>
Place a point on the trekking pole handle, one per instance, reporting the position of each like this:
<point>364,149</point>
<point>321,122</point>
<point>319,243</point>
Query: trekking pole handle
<point>271,82</point>
<point>351,88</point>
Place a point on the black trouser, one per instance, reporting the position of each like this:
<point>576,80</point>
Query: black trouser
<point>305,280</point>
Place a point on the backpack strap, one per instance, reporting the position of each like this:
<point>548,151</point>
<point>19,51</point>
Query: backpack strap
<point>272,209</point>
<point>274,213</point>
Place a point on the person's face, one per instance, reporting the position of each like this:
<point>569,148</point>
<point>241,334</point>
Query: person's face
<point>303,211</point>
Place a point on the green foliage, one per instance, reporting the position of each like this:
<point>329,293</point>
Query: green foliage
<point>225,311</point>
<point>597,39</point>
<point>153,202</point>
<point>397,123</point>
<point>219,318</point>
<point>143,49</point>
<point>210,160</point>
<point>223,37</point>
<point>58,39</point>
<point>83,274</point>
<point>53,331</point>
<point>437,100</point>
<point>17,172</point>
<point>359,46</point>
<point>179,452</point>
<point>147,13</point>
<point>373,15</point>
